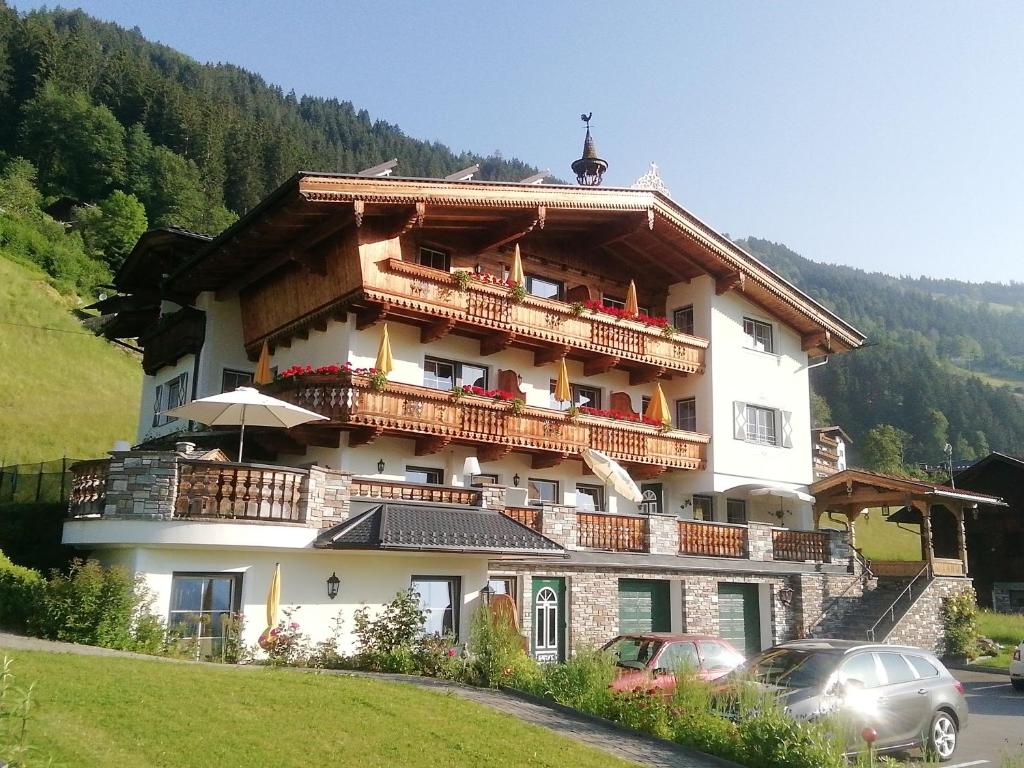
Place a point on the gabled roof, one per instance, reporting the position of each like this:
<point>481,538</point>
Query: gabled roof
<point>967,474</point>
<point>835,428</point>
<point>860,483</point>
<point>158,252</point>
<point>415,527</point>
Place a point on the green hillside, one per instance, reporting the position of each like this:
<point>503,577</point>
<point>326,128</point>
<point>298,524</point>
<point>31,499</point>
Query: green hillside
<point>63,393</point>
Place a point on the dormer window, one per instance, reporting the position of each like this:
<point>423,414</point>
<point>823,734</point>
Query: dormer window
<point>435,259</point>
<point>759,335</point>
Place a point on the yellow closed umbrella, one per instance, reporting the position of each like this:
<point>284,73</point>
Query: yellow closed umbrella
<point>631,306</point>
<point>563,392</point>
<point>262,375</point>
<point>516,275</point>
<point>273,605</point>
<point>385,362</point>
<point>657,409</point>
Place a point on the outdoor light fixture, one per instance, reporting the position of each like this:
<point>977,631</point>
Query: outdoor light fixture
<point>515,480</point>
<point>486,591</point>
<point>786,595</point>
<point>333,583</point>
<point>380,467</point>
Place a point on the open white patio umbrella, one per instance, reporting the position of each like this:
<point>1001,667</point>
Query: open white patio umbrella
<point>782,493</point>
<point>611,472</point>
<point>244,406</point>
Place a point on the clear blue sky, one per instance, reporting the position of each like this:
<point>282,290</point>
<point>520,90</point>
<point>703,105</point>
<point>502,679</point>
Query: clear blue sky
<point>886,136</point>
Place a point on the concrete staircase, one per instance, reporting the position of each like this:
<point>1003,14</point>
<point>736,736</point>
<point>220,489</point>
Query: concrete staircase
<point>849,617</point>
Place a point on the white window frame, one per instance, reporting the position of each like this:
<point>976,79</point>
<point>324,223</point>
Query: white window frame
<point>760,335</point>
<point>161,398</point>
<point>743,429</point>
<point>557,499</point>
<point>455,586</point>
<point>457,372</point>
<point>596,492</point>
<point>225,372</point>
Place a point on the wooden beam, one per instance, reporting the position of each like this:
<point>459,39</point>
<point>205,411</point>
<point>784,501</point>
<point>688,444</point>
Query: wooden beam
<point>821,339</point>
<point>492,452</point>
<point>513,231</point>
<point>864,499</point>
<point>613,232</point>
<point>645,375</point>
<point>427,445</point>
<point>547,460</point>
<point>550,354</point>
<point>363,436</point>
<point>436,330</point>
<point>496,341</point>
<point>371,315</point>
<point>601,364</point>
<point>646,471</point>
<point>323,437</point>
<point>320,324</point>
<point>726,283</point>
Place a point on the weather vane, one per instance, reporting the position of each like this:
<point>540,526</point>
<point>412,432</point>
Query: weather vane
<point>590,168</point>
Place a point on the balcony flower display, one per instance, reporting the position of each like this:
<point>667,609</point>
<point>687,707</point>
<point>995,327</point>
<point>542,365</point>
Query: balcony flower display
<point>597,306</point>
<point>378,379</point>
<point>499,395</point>
<point>618,415</point>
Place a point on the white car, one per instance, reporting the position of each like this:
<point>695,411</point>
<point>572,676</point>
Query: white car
<point>1017,669</point>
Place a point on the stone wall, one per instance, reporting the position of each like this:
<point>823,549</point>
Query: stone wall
<point>326,497</point>
<point>141,484</point>
<point>1008,596</point>
<point>663,535</point>
<point>922,624</point>
<point>824,601</point>
<point>559,524</point>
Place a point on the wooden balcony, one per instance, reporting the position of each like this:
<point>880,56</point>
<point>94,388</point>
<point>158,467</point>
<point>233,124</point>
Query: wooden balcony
<point>800,545</point>
<point>436,418</point>
<point>616,533</point>
<point>175,336</point>
<point>528,516</point>
<point>213,489</point>
<point>709,539</point>
<point>396,490</point>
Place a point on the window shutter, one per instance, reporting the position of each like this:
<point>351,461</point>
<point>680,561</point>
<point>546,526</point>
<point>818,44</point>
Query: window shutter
<point>158,396</point>
<point>739,420</point>
<point>182,390</point>
<point>787,429</point>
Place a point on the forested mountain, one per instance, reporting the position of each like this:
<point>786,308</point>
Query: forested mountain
<point>930,342</point>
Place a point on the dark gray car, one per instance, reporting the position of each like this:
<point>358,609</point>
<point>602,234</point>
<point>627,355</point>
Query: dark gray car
<point>903,693</point>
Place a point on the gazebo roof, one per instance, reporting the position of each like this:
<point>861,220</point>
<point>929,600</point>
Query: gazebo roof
<point>861,488</point>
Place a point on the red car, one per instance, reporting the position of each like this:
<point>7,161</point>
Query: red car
<point>651,660</point>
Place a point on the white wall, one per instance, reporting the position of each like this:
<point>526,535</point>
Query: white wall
<point>224,346</point>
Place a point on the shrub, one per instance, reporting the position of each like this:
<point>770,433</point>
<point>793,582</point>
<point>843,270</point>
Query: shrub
<point>497,656</point>
<point>583,682</point>
<point>327,652</point>
<point>286,644</point>
<point>770,739</point>
<point>95,606</point>
<point>438,656</point>
<point>960,620</point>
<point>19,594</point>
<point>641,710</point>
<point>387,641</point>
<point>707,731</point>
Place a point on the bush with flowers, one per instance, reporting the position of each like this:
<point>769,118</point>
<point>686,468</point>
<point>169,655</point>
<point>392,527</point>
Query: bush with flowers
<point>437,655</point>
<point>286,644</point>
<point>599,307</point>
<point>378,379</point>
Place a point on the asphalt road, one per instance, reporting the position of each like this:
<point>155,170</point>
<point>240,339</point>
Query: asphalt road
<point>996,726</point>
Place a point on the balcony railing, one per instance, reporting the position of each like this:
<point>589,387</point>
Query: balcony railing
<point>436,417</point>
<point>618,533</point>
<point>394,490</point>
<point>212,489</point>
<point>800,545</point>
<point>88,487</point>
<point>528,516</point>
<point>712,539</point>
<point>409,288</point>
<point>175,336</point>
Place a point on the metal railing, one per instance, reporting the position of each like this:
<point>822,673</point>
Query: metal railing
<point>890,612</point>
<point>865,576</point>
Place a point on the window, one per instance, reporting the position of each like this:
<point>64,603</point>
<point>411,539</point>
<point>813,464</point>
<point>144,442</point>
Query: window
<point>231,380</point>
<point>449,374</point>
<point>545,491</point>
<point>897,670</point>
<point>614,303</point>
<point>169,395</point>
<point>645,403</point>
<point>686,414</point>
<point>683,319</point>
<point>439,600</point>
<point>922,666</point>
<point>425,475</point>
<point>199,604</point>
<point>503,585</point>
<point>759,335</point>
<point>486,477</point>
<point>679,657</point>
<point>703,507</point>
<point>581,396</point>
<point>736,511</point>
<point>596,494</point>
<point>544,288</point>
<point>861,668</point>
<point>430,257</point>
<point>717,656</point>
<point>761,425</point>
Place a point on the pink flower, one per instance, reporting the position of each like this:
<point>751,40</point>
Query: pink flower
<point>451,651</point>
<point>293,626</point>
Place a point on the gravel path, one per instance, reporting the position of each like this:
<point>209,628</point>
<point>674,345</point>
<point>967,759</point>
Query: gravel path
<point>595,732</point>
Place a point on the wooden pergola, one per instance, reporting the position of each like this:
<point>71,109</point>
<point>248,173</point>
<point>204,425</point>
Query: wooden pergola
<point>852,492</point>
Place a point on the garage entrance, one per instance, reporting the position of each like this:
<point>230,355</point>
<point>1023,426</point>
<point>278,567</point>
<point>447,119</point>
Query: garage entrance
<point>644,606</point>
<point>739,616</point>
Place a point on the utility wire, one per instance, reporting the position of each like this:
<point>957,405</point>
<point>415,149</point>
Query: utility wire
<point>44,328</point>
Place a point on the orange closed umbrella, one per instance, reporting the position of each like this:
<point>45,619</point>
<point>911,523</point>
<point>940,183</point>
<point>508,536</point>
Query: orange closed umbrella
<point>516,275</point>
<point>631,306</point>
<point>262,375</point>
<point>657,409</point>
<point>385,362</point>
<point>563,392</point>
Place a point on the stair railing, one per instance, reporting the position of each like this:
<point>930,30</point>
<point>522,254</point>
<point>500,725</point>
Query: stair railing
<point>890,612</point>
<point>865,576</point>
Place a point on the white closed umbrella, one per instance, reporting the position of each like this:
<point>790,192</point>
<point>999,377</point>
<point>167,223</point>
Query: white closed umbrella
<point>244,406</point>
<point>611,472</point>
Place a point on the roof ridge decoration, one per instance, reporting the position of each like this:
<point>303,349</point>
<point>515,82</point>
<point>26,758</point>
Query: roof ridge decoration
<point>652,181</point>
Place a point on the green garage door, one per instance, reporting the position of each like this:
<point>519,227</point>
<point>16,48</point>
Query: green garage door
<point>644,606</point>
<point>739,616</point>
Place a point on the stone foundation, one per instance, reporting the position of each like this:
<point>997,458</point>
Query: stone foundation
<point>922,624</point>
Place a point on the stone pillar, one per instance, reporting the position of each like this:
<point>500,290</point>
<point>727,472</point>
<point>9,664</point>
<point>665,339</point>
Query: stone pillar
<point>492,496</point>
<point>662,535</point>
<point>759,541</point>
<point>559,524</point>
<point>141,484</point>
<point>326,497</point>
<point>700,605</point>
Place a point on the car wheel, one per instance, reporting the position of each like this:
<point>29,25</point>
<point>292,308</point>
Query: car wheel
<point>1018,685</point>
<point>942,737</point>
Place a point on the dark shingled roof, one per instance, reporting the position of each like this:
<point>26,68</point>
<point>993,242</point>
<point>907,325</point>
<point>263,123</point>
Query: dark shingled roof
<point>437,528</point>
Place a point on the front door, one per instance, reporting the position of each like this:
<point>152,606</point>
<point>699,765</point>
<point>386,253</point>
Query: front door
<point>548,641</point>
<point>644,606</point>
<point>654,499</point>
<point>739,616</point>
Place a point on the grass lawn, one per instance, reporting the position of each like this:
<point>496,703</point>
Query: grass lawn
<point>881,540</point>
<point>128,713</point>
<point>1007,629</point>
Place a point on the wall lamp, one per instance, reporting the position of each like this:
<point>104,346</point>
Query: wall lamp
<point>333,584</point>
<point>380,467</point>
<point>786,595</point>
<point>515,479</point>
<point>486,592</point>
